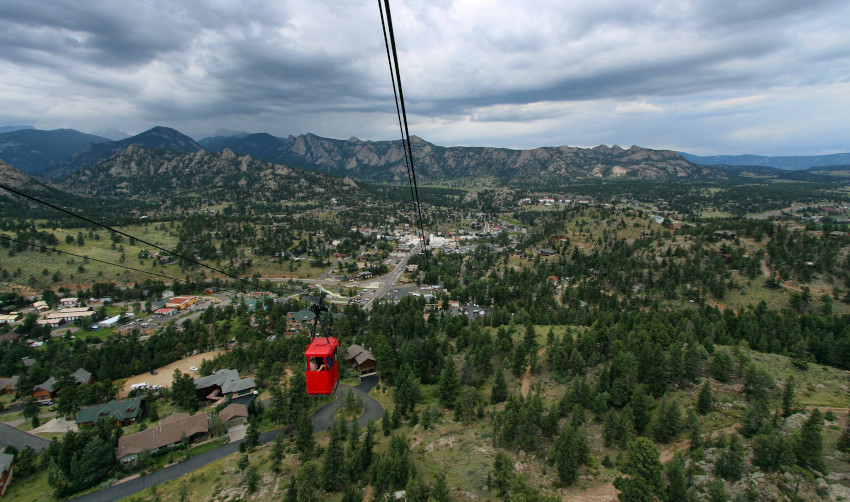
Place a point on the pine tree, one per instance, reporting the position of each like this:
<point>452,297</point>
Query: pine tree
<point>788,397</point>
<point>307,482</point>
<point>668,422</point>
<point>252,435</point>
<point>366,454</point>
<point>387,423</point>
<point>278,452</point>
<point>500,388</point>
<point>721,366</point>
<point>304,441</point>
<point>844,439</point>
<point>440,491</point>
<point>352,494</point>
<point>449,383</point>
<point>642,405</point>
<point>571,451</point>
<point>642,469</point>
<point>705,400</point>
<point>503,469</point>
<point>334,462</point>
<point>677,489</point>
<point>717,491</point>
<point>810,443</point>
<point>731,463</point>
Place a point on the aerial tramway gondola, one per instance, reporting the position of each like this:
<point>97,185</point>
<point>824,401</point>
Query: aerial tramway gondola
<point>321,355</point>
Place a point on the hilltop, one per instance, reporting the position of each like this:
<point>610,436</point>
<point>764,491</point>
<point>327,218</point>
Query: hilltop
<point>143,172</point>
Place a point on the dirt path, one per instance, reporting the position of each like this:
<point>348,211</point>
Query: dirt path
<point>166,373</point>
<point>764,270</point>
<point>525,382</point>
<point>601,493</point>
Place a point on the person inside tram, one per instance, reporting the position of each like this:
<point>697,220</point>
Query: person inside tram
<point>316,364</point>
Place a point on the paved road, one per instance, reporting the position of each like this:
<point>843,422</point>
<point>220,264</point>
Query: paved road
<point>323,418</point>
<point>12,436</point>
<point>19,406</point>
<point>136,485</point>
<point>390,280</point>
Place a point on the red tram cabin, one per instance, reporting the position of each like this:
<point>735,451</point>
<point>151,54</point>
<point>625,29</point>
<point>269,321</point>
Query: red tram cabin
<point>322,366</point>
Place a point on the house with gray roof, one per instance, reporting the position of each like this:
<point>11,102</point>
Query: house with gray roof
<point>44,391</point>
<point>361,359</point>
<point>8,385</point>
<point>82,377</point>
<point>223,383</point>
<point>124,412</point>
<point>170,433</point>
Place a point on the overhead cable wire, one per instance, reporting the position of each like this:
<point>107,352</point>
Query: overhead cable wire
<point>87,257</point>
<point>89,220</point>
<point>406,134</point>
<point>397,109</point>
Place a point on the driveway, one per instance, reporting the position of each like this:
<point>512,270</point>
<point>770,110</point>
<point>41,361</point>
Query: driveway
<point>372,409</point>
<point>12,436</point>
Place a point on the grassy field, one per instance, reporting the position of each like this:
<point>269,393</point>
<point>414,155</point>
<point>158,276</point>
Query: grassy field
<point>29,489</point>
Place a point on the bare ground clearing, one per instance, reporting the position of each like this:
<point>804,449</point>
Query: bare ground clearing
<point>166,373</point>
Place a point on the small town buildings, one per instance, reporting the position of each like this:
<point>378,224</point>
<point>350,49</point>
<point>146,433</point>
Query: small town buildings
<point>168,434</point>
<point>181,302</point>
<point>361,360</point>
<point>47,391</point>
<point>67,303</point>
<point>70,314</point>
<point>124,412</point>
<point>7,463</point>
<point>41,306</point>
<point>108,323</point>
<point>165,311</point>
<point>50,323</point>
<point>8,384</point>
<point>10,317</point>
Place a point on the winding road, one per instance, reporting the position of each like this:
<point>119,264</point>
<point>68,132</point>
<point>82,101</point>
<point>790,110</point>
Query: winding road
<point>322,419</point>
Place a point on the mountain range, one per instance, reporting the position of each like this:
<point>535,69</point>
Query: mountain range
<point>60,153</point>
<point>787,163</point>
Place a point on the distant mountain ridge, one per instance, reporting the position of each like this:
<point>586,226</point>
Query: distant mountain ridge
<point>157,137</point>
<point>788,163</point>
<point>10,128</point>
<point>36,152</point>
<point>139,172</point>
<point>383,161</point>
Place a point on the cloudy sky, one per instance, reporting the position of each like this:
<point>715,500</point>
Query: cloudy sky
<point>769,77</point>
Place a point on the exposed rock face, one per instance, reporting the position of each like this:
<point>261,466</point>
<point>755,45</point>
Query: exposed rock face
<point>145,172</point>
<point>158,137</point>
<point>383,161</point>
